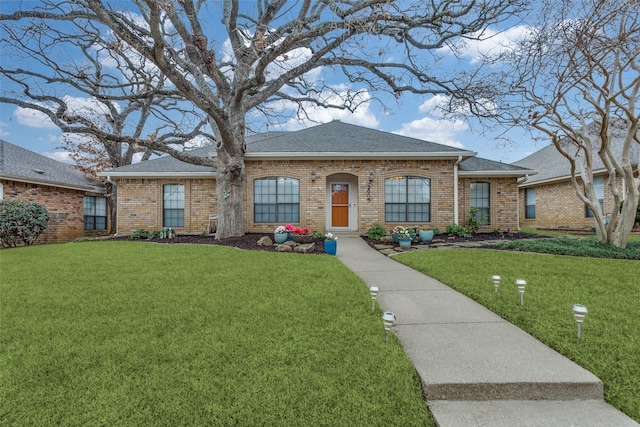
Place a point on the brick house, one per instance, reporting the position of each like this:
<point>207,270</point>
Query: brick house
<point>76,206</point>
<point>331,177</point>
<point>548,199</point>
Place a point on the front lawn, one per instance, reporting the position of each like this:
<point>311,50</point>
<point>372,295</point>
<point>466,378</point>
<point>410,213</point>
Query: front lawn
<point>128,333</point>
<point>610,289</point>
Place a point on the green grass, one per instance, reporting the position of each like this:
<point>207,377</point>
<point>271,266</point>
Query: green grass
<point>610,289</point>
<point>127,333</point>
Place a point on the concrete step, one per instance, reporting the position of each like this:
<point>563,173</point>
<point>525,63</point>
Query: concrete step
<point>523,413</point>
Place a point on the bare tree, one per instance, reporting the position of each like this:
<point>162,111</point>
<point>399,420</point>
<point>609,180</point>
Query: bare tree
<point>273,46</point>
<point>110,102</point>
<point>576,80</point>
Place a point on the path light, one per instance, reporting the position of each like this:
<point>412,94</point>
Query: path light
<point>388,318</point>
<point>374,295</point>
<point>521,284</point>
<point>579,312</point>
<point>496,282</point>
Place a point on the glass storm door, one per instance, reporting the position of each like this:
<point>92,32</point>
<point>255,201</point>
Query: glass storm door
<point>339,205</point>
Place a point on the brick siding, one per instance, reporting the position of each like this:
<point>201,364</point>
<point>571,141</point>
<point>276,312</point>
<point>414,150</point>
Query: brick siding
<point>64,206</point>
<point>140,200</point>
<point>558,206</point>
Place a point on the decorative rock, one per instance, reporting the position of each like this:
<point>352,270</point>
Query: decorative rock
<point>386,239</point>
<point>382,247</point>
<point>284,248</point>
<point>305,248</point>
<point>265,241</point>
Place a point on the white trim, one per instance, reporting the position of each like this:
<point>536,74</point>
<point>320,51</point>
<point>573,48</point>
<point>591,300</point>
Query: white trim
<point>496,174</point>
<point>94,189</point>
<point>368,155</point>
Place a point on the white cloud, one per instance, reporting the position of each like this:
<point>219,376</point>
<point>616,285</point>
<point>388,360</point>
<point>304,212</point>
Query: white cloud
<point>61,156</point>
<point>33,118</point>
<point>2,131</point>
<point>434,130</point>
<point>89,108</point>
<point>493,43</point>
<point>362,116</point>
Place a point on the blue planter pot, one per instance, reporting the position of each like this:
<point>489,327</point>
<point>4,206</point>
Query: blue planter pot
<point>331,247</point>
<point>426,236</point>
<point>281,237</point>
<point>405,244</point>
<point>396,237</point>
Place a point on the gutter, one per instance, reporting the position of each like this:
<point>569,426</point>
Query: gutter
<point>455,190</point>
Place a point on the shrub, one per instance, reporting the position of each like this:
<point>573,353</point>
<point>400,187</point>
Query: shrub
<point>474,223</point>
<point>457,230</point>
<point>21,222</point>
<point>376,232</point>
<point>139,234</point>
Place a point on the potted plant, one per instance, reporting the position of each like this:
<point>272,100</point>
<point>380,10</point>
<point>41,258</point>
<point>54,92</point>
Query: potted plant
<point>405,240</point>
<point>281,234</point>
<point>330,244</point>
<point>301,235</point>
<point>397,232</point>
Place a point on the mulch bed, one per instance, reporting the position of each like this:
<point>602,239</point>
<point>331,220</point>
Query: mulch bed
<point>250,240</point>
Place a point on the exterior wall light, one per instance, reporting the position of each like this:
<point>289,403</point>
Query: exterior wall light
<point>389,319</point>
<point>496,282</point>
<point>371,175</point>
<point>579,313</point>
<point>521,284</point>
<point>313,176</point>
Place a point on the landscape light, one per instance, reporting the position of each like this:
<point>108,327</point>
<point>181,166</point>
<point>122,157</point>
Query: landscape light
<point>374,295</point>
<point>579,312</point>
<point>521,284</point>
<point>388,318</point>
<point>496,282</point>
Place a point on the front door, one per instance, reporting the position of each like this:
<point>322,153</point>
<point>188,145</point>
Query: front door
<point>339,205</point>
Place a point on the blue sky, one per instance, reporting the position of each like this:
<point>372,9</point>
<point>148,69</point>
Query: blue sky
<point>410,115</point>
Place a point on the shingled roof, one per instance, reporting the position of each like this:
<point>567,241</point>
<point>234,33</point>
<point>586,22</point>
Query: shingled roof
<point>333,140</point>
<point>20,164</point>
<point>552,166</point>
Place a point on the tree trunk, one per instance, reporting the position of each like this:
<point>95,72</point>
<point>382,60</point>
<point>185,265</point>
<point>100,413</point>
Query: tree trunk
<point>112,206</point>
<point>231,176</point>
<point>627,217</point>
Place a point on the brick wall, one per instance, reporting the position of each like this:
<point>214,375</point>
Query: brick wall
<point>140,204</point>
<point>503,203</point>
<point>140,200</point>
<point>558,206</point>
<point>64,206</point>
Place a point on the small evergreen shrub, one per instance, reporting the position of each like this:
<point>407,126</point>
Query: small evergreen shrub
<point>475,221</point>
<point>376,232</point>
<point>21,222</point>
<point>457,230</point>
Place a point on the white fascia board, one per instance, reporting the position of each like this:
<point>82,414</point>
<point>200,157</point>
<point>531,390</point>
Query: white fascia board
<point>157,174</point>
<point>496,174</point>
<point>442,155</point>
<point>556,179</point>
<point>95,189</point>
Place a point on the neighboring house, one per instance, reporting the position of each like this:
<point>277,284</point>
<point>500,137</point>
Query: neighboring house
<point>331,177</point>
<point>548,199</point>
<point>76,206</point>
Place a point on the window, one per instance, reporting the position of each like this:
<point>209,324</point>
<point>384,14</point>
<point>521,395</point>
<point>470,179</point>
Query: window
<point>407,199</point>
<point>173,205</point>
<point>598,186</point>
<point>530,203</point>
<point>480,201</point>
<point>276,199</point>
<point>95,213</point>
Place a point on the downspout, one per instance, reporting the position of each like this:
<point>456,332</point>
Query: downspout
<point>455,190</point>
<point>525,179</point>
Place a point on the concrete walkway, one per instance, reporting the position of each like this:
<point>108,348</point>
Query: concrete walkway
<point>476,368</point>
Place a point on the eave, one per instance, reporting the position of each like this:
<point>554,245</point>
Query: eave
<point>337,155</point>
<point>48,183</point>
